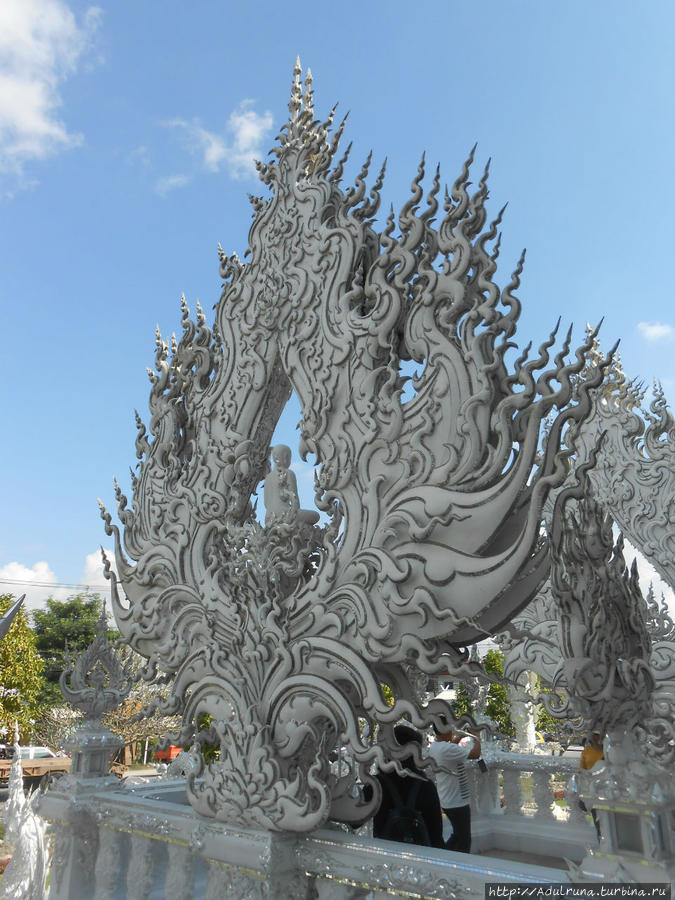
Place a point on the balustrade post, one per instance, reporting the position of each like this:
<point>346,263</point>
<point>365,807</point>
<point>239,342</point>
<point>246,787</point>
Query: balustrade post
<point>491,792</point>
<point>107,869</point>
<point>576,814</point>
<point>179,881</point>
<point>543,794</point>
<point>513,791</point>
<point>75,851</point>
<point>141,869</point>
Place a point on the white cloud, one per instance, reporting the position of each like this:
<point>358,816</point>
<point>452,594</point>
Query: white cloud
<point>170,183</point>
<point>656,331</point>
<point>41,44</point>
<point>236,148</point>
<point>40,582</point>
<point>92,574</point>
<point>36,583</point>
<point>139,156</point>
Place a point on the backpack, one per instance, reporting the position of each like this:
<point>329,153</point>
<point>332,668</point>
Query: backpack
<point>404,822</point>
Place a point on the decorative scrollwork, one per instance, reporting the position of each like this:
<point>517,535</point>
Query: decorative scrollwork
<point>433,504</point>
<point>96,681</point>
<point>605,646</point>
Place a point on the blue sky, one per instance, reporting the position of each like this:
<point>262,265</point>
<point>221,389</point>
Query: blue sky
<point>127,132</point>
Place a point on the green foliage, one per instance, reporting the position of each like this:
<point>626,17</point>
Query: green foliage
<point>544,721</point>
<point>21,680</point>
<point>210,752</point>
<point>387,693</point>
<point>73,621</point>
<point>461,705</point>
<point>497,705</point>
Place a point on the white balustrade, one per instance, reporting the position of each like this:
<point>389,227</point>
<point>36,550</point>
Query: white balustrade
<point>141,869</point>
<point>146,842</point>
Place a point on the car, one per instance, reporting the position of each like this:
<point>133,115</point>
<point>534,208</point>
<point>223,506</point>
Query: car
<point>39,765</point>
<point>37,753</point>
<point>573,751</point>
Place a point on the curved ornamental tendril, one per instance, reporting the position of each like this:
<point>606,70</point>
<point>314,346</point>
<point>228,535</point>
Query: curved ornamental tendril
<point>283,635</point>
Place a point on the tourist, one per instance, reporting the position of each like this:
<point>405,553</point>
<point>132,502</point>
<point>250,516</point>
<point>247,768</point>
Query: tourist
<point>409,810</point>
<point>450,751</point>
<point>591,754</point>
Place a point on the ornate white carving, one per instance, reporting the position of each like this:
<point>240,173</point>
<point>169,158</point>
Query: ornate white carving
<point>96,680</point>
<point>7,619</point>
<point>634,474</point>
<point>16,799</point>
<point>634,480</point>
<point>25,833</point>
<point>25,876</point>
<point>605,646</point>
<point>434,504</point>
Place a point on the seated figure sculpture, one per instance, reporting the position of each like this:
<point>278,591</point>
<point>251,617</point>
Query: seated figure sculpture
<point>281,492</point>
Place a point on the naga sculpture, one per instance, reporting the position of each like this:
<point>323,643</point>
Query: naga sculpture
<point>634,474</point>
<point>633,479</point>
<point>604,669</point>
<point>280,638</point>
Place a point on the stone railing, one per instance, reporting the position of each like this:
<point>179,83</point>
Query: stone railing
<point>522,800</point>
<point>148,843</point>
<point>145,841</point>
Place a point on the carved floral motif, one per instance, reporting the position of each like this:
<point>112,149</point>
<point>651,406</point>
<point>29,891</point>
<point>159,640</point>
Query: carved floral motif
<point>434,504</point>
<point>95,681</point>
<point>605,646</point>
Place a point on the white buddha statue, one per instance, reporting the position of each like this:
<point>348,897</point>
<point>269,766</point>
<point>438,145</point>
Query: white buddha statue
<point>281,492</point>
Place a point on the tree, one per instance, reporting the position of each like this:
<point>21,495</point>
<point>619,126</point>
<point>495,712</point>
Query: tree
<point>462,705</point>
<point>73,622</point>
<point>55,724</point>
<point>544,721</point>
<point>497,705</point>
<point>21,681</point>
<point>125,721</point>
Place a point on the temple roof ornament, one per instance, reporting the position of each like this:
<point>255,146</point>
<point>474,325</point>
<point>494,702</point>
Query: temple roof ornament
<point>605,646</point>
<point>633,479</point>
<point>7,619</point>
<point>634,475</point>
<point>434,504</point>
<point>96,680</point>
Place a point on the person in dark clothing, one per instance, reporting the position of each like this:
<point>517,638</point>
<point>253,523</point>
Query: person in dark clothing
<point>416,788</point>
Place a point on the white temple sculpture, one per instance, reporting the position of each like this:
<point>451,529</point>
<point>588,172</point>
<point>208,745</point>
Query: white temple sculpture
<point>7,619</point>
<point>605,676</point>
<point>434,505</point>
<point>95,682</point>
<point>633,479</point>
<point>16,799</point>
<point>25,834</point>
<point>281,492</point>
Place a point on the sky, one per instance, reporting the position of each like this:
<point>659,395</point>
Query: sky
<point>127,137</point>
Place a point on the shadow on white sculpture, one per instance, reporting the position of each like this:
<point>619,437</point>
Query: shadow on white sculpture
<point>26,836</point>
<point>434,505</point>
<point>605,676</point>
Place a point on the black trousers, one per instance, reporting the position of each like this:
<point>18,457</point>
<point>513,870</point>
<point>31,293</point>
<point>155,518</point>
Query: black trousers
<point>460,819</point>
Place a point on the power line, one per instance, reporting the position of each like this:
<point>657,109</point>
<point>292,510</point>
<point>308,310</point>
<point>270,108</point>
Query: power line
<point>53,584</point>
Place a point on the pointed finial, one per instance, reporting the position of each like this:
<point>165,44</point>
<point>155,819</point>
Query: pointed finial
<point>309,96</point>
<point>295,103</point>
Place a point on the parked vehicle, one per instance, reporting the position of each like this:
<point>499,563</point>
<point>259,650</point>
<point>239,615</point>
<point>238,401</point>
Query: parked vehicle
<point>167,755</point>
<point>573,751</point>
<point>39,765</point>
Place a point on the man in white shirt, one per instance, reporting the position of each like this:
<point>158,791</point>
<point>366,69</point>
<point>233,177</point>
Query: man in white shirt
<point>450,751</point>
